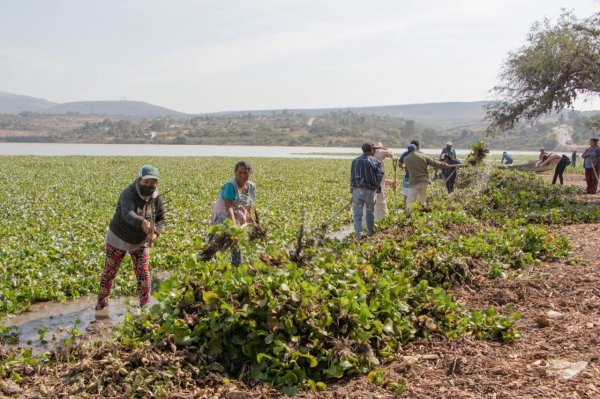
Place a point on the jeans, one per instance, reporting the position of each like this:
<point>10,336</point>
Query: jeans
<point>363,198</point>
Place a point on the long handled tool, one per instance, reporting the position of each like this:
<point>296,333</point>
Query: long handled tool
<point>328,221</point>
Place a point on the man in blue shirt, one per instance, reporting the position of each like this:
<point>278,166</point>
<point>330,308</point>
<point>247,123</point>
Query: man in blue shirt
<point>366,175</point>
<point>506,158</point>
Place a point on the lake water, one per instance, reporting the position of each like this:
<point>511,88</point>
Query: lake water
<point>238,151</point>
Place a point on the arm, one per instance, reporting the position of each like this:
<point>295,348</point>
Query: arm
<point>436,164</point>
<point>127,205</point>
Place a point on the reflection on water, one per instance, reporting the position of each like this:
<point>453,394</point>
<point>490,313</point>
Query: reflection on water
<point>57,320</point>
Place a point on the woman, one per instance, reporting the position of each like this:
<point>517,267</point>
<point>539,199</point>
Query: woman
<point>137,221</point>
<point>235,202</point>
<point>591,165</point>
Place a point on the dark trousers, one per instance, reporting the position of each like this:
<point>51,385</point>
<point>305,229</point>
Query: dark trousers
<point>450,183</point>
<point>591,178</point>
<point>558,172</point>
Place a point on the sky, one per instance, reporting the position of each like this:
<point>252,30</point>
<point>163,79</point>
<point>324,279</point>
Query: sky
<point>225,55</point>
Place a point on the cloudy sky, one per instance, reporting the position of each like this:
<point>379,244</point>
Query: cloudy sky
<point>218,55</point>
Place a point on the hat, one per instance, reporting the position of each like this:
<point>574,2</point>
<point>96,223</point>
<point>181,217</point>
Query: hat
<point>449,143</point>
<point>594,139</point>
<point>379,144</point>
<point>149,172</point>
<point>411,147</point>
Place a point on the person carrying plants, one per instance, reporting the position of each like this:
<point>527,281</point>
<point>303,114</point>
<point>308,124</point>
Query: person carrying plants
<point>381,153</point>
<point>138,220</point>
<point>366,175</point>
<point>591,164</point>
<point>416,165</point>
<point>234,202</point>
<point>560,169</point>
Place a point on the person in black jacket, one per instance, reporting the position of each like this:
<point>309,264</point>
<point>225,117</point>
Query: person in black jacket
<point>560,169</point>
<point>136,223</point>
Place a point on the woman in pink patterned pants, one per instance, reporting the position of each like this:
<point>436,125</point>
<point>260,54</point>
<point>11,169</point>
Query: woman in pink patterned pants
<point>112,262</point>
<point>138,220</point>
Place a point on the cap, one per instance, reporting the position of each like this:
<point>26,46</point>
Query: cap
<point>149,172</point>
<point>411,147</point>
<point>449,143</point>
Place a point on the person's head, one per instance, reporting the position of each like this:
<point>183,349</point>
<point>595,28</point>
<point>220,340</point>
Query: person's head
<point>411,148</point>
<point>415,143</point>
<point>148,179</point>
<point>504,153</point>
<point>379,145</point>
<point>542,150</point>
<point>368,148</point>
<point>242,172</point>
<point>449,144</point>
<point>593,142</point>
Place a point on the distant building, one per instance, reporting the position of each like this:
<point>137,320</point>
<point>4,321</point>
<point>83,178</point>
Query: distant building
<point>563,134</point>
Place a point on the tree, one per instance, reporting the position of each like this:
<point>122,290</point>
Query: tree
<point>559,63</point>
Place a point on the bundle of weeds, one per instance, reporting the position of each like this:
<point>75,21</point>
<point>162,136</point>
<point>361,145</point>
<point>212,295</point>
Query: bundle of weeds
<point>478,153</point>
<point>221,237</point>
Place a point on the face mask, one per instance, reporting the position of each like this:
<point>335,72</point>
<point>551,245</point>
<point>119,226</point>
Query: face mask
<point>147,191</point>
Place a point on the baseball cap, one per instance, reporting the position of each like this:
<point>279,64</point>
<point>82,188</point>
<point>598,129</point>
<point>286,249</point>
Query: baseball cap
<point>411,147</point>
<point>449,143</point>
<point>149,172</point>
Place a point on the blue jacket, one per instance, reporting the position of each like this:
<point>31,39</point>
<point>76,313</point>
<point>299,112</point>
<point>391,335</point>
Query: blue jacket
<point>366,172</point>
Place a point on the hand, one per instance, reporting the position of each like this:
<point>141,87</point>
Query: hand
<point>150,238</point>
<point>147,227</point>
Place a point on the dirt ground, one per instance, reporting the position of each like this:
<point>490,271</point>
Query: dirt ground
<point>470,368</point>
<point>571,179</point>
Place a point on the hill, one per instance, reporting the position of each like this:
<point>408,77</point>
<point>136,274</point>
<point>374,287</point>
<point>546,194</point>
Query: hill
<point>15,103</point>
<point>129,108</point>
<point>439,115</point>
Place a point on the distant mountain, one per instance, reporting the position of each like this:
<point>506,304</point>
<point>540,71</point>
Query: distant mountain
<point>447,114</point>
<point>129,108</point>
<point>15,103</point>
